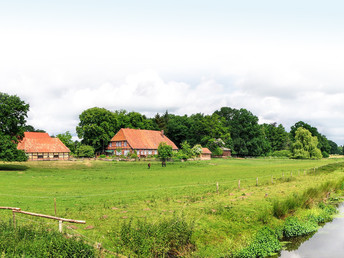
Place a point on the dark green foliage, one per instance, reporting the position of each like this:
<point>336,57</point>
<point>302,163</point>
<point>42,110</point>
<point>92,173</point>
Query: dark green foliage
<point>96,127</point>
<point>276,135</point>
<point>295,227</point>
<point>164,151</point>
<point>160,239</point>
<point>26,241</point>
<point>66,138</point>
<point>247,135</point>
<point>13,113</point>
<point>265,243</point>
<point>11,167</point>
<point>85,151</point>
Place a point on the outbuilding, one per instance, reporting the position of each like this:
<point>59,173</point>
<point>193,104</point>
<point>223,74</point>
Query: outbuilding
<point>40,146</point>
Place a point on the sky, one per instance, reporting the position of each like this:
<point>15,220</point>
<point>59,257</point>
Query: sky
<point>281,60</point>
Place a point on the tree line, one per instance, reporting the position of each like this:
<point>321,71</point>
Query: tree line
<point>236,129</point>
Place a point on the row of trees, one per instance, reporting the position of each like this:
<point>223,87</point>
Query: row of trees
<point>237,129</point>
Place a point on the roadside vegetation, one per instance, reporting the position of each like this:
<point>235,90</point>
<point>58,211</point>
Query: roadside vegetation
<point>184,209</point>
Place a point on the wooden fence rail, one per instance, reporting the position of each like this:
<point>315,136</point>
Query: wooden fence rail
<point>61,220</point>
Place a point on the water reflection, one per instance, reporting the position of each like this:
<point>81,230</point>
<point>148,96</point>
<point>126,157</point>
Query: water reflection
<point>327,242</point>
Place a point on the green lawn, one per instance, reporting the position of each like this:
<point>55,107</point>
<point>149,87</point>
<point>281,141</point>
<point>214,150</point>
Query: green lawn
<point>106,194</point>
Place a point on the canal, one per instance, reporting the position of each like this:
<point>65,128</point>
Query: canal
<point>327,242</point>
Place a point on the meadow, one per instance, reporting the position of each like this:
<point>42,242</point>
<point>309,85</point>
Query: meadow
<point>110,195</point>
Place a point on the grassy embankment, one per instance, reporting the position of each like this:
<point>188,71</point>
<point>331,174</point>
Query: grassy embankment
<point>110,195</point>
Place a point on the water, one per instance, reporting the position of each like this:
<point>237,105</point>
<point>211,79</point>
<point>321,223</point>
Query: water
<point>327,242</point>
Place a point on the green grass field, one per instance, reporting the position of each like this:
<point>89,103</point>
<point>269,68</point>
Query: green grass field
<point>107,194</point>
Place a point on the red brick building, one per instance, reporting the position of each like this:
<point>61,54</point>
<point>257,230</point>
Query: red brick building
<point>144,142</point>
<point>40,146</point>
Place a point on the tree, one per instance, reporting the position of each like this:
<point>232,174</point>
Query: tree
<point>85,151</point>
<point>247,136</point>
<point>178,129</point>
<point>305,145</point>
<point>276,136</point>
<point>66,138</point>
<point>323,143</point>
<point>96,127</point>
<point>164,151</point>
<point>13,114</point>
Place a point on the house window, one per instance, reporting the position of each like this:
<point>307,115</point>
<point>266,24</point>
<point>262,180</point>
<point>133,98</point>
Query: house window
<point>125,144</point>
<point>126,152</point>
<point>40,156</point>
<point>118,152</point>
<point>56,156</point>
<point>110,145</point>
<point>118,144</point>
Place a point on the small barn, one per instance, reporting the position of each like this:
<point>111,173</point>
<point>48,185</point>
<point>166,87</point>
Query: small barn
<point>143,142</point>
<point>40,146</point>
<point>226,152</point>
<point>206,154</point>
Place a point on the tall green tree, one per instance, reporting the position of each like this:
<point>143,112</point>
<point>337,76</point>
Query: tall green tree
<point>96,127</point>
<point>276,135</point>
<point>66,139</point>
<point>247,136</point>
<point>133,120</point>
<point>323,143</point>
<point>178,129</point>
<point>13,114</point>
<point>305,145</point>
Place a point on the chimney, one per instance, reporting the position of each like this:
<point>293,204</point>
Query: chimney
<point>162,133</point>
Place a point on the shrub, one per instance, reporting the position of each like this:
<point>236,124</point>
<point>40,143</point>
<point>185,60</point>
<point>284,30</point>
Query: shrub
<point>152,240</point>
<point>265,244</point>
<point>295,227</point>
<point>85,151</point>
<point>281,153</point>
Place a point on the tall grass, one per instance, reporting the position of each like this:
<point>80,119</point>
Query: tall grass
<point>170,237</point>
<point>29,241</point>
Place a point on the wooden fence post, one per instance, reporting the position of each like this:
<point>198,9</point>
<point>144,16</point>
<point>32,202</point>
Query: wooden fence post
<point>239,184</point>
<point>217,187</point>
<point>14,218</point>
<point>257,181</point>
<point>60,225</point>
<point>55,206</point>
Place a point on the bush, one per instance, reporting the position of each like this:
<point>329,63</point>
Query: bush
<point>325,154</point>
<point>266,243</point>
<point>295,227</point>
<point>27,241</point>
<point>154,240</point>
<point>85,151</point>
<point>281,153</point>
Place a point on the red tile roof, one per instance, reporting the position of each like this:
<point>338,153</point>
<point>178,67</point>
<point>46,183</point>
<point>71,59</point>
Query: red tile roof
<point>36,135</point>
<point>143,139</point>
<point>41,142</point>
<point>206,151</point>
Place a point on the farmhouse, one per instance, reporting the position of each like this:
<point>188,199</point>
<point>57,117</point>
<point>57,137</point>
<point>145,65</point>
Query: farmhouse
<point>144,142</point>
<point>40,146</point>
